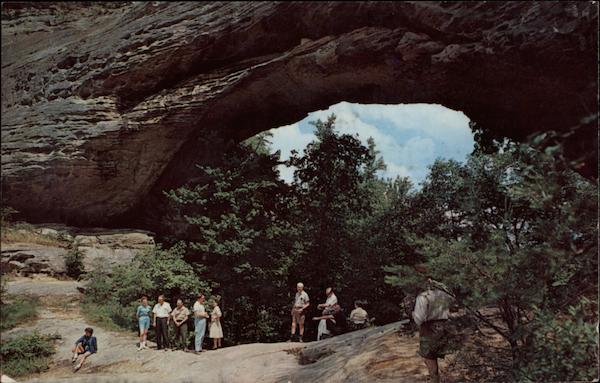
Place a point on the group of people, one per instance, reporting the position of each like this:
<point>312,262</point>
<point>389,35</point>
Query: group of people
<point>332,321</point>
<point>430,313</point>
<point>163,314</point>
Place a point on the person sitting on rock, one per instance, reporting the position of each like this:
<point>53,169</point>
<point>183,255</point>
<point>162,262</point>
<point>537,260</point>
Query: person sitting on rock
<point>358,316</point>
<point>327,308</point>
<point>86,346</point>
<point>335,322</point>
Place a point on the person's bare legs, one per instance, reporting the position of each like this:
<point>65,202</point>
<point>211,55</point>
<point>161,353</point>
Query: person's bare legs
<point>219,342</point>
<point>432,366</point>
<point>293,327</point>
<point>141,339</point>
<point>301,330</point>
<point>85,356</point>
<point>78,349</point>
<point>215,343</point>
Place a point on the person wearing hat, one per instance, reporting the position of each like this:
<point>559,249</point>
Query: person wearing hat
<point>431,313</point>
<point>200,316</point>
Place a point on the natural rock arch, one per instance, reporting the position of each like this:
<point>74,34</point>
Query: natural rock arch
<point>103,103</point>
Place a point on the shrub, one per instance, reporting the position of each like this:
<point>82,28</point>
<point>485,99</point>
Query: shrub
<point>74,263</point>
<point>113,296</point>
<point>111,316</point>
<point>27,354</point>
<point>20,310</point>
<point>561,348</point>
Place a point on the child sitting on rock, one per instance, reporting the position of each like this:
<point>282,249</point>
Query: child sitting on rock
<point>86,346</point>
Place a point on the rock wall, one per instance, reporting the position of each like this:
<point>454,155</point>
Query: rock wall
<point>106,103</point>
<point>47,256</point>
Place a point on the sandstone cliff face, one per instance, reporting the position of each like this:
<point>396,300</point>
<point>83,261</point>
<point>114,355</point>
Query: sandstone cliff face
<point>47,256</point>
<point>103,104</point>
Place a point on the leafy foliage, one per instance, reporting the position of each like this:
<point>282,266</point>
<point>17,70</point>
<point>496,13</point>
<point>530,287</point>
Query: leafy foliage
<point>26,354</point>
<point>113,296</point>
<point>239,224</point>
<point>492,223</point>
<point>74,263</point>
<point>562,348</point>
<point>512,231</point>
<point>18,311</point>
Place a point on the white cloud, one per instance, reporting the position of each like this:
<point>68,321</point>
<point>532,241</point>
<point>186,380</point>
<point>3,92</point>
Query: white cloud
<point>409,136</point>
<point>288,138</point>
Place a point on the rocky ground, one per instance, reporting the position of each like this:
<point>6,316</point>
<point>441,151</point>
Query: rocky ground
<point>376,354</point>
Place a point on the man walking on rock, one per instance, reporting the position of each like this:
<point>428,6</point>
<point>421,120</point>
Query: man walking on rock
<point>431,315</point>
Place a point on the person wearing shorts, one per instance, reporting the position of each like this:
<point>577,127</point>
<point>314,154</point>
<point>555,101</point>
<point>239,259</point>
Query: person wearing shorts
<point>143,315</point>
<point>301,302</point>
<point>431,314</point>
<point>86,346</point>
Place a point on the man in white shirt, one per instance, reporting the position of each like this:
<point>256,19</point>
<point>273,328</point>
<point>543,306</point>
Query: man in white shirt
<point>200,316</point>
<point>162,314</point>
<point>431,313</point>
<point>330,301</point>
<point>327,309</point>
<point>301,302</point>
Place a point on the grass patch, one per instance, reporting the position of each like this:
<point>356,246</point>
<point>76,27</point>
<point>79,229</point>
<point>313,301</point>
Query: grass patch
<point>27,354</point>
<point>20,310</point>
<point>110,317</point>
<point>26,233</point>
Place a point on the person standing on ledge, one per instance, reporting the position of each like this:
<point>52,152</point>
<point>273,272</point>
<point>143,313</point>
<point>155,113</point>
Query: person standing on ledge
<point>162,315</point>
<point>301,303</point>
<point>143,316</point>
<point>431,315</point>
<point>215,330</point>
<point>180,317</point>
<point>200,316</point>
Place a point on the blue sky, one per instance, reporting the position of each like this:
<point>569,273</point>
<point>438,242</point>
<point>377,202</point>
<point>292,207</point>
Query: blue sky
<point>409,136</point>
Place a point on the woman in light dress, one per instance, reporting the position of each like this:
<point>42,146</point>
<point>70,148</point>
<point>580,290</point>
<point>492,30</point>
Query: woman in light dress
<point>215,329</point>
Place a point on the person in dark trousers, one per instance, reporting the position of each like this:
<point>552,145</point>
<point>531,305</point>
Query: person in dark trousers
<point>180,318</point>
<point>162,314</point>
<point>86,346</point>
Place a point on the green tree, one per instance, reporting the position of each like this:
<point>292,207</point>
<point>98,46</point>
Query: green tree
<point>239,223</point>
<point>513,230</point>
<point>112,295</point>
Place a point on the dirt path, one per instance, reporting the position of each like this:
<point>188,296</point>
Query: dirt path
<point>376,354</point>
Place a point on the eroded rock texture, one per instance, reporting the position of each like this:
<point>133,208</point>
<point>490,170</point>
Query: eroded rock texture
<point>97,247</point>
<point>103,104</point>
